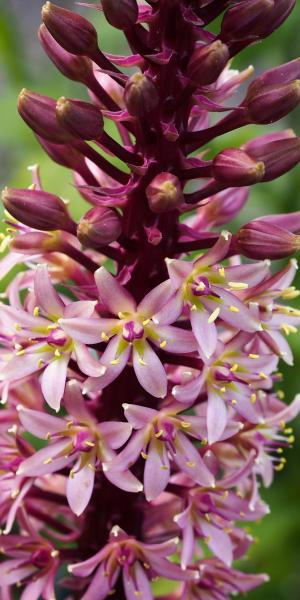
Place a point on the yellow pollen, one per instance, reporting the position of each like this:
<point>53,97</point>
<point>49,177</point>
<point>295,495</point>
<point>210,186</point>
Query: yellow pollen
<point>163,344</point>
<point>190,464</point>
<point>47,461</point>
<point>144,455</point>
<point>104,337</point>
<point>17,326</point>
<point>20,352</point>
<point>91,467</point>
<point>263,375</point>
<point>288,430</point>
<point>223,390</point>
<point>48,436</point>
<point>291,439</point>
<point>207,517</point>
<point>40,363</point>
<point>194,307</point>
<point>164,468</point>
<point>69,424</point>
<point>287,329</point>
<point>14,494</point>
<point>36,311</point>
<point>57,353</point>
<point>114,362</point>
<point>253,398</point>
<point>254,356</point>
<point>234,402</point>
<point>279,450</point>
<point>90,444</point>
<point>185,424</point>
<point>121,315</point>
<point>200,287</point>
<point>51,327</point>
<point>214,315</point>
<point>234,368</point>
<point>279,467</point>
<point>238,285</point>
<point>142,362</point>
<point>146,322</point>
<point>72,473</point>
<point>281,394</point>
<point>159,433</point>
<point>222,272</point>
<point>234,309</point>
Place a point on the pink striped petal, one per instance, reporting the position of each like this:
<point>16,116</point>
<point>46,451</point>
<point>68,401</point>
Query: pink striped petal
<point>75,403</point>
<point>80,308</point>
<point>53,381</point>
<point>252,274</point>
<point>219,542</point>
<point>139,416</point>
<point>47,297</point>
<point>124,480</point>
<point>80,486</point>
<point>115,433</point>
<point>112,294</point>
<point>20,366</point>
<point>217,253</point>
<point>217,417</point>
<point>39,463</point>
<point>204,332</point>
<point>188,459</point>
<point>101,585</point>
<point>157,469</point>
<point>87,330</point>
<point>178,271</point>
<point>40,423</point>
<point>178,340</point>
<point>94,384</point>
<point>171,311</point>
<point>13,315</point>
<point>153,302</point>
<point>87,363</point>
<point>150,372</point>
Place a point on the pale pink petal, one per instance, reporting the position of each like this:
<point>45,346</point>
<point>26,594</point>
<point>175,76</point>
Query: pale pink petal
<point>101,585</point>
<point>219,542</point>
<point>150,372</point>
<point>87,330</point>
<point>113,295</point>
<point>288,413</point>
<point>80,486</point>
<point>252,274</point>
<point>80,308</point>
<point>138,584</point>
<point>124,480</point>
<point>177,340</point>
<point>139,416</point>
<point>217,253</point>
<point>171,311</point>
<point>157,469</point>
<point>178,271</point>
<point>47,297</point>
<point>189,391</point>
<point>34,589</point>
<point>216,417</point>
<point>13,315</point>
<point>75,403</point>
<point>130,454</point>
<point>188,459</point>
<point>240,317</point>
<point>53,381</point>
<point>12,571</point>
<point>156,299</point>
<point>93,384</point>
<point>40,423</point>
<point>45,460</point>
<point>115,433</point>
<point>204,332</point>
<point>20,366</point>
<point>87,363</point>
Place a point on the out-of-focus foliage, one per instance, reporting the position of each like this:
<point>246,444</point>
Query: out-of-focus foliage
<point>22,64</point>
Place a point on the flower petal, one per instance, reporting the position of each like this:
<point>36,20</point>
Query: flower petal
<point>75,403</point>
<point>80,486</point>
<point>138,584</point>
<point>177,340</point>
<point>87,330</point>
<point>216,417</point>
<point>155,300</point>
<point>80,308</point>
<point>113,295</point>
<point>53,381</point>
<point>157,469</point>
<point>150,372</point>
<point>40,423</point>
<point>204,332</point>
<point>87,363</point>
<point>115,433</point>
<point>94,384</point>
<point>124,480</point>
<point>219,542</point>
<point>46,295</point>
<point>45,460</point>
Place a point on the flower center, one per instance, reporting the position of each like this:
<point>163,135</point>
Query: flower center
<point>132,330</point>
<point>40,558</point>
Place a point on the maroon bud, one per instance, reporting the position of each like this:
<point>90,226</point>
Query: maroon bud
<point>279,156</point>
<point>260,240</point>
<point>164,193</point>
<point>274,102</point>
<point>122,14</point>
<point>246,20</point>
<point>38,209</point>
<point>141,96</point>
<point>99,226</point>
<point>73,32</point>
<point>207,63</point>
<point>77,68</point>
<point>64,155</point>
<point>81,119</point>
<point>39,113</point>
<point>235,168</point>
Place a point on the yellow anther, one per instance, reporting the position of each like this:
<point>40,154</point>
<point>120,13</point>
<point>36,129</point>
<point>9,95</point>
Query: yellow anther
<point>116,361</point>
<point>204,442</point>
<point>234,309</point>
<point>14,494</point>
<point>190,464</point>
<point>214,315</point>
<point>291,439</point>
<point>36,311</point>
<point>288,430</point>
<point>40,363</point>
<point>146,322</point>
<point>91,467</point>
<point>238,285</point>
<point>207,517</point>
<point>263,375</point>
<point>223,390</point>
<point>281,394</point>
<point>48,436</point>
<point>47,461</point>
<point>20,352</point>
<point>90,444</point>
<point>253,398</point>
<point>104,337</point>
<point>121,315</point>
<point>70,424</point>
<point>159,433</point>
<point>185,424</point>
<point>53,326</point>
<point>222,272</point>
<point>57,353</point>
<point>163,344</point>
<point>144,455</point>
<point>287,329</point>
<point>17,326</point>
<point>72,473</point>
<point>234,368</point>
<point>233,402</point>
<point>194,307</point>
<point>55,553</point>
<point>254,356</point>
<point>164,468</point>
<point>279,467</point>
<point>142,362</point>
<point>279,450</point>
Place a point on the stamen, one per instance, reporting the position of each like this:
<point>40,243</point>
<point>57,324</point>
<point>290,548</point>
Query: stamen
<point>222,272</point>
<point>163,344</point>
<point>146,322</point>
<point>116,361</point>
<point>238,285</point>
<point>254,356</point>
<point>104,337</point>
<point>234,309</point>
<point>36,311</point>
<point>48,461</point>
<point>142,362</point>
<point>214,315</point>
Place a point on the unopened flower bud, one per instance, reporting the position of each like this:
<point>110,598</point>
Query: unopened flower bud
<point>246,20</point>
<point>164,193</point>
<point>154,235</point>
<point>207,63</point>
<point>81,119</point>
<point>234,167</point>
<point>121,14</point>
<point>38,209</point>
<point>279,156</point>
<point>141,96</point>
<point>76,68</point>
<point>260,240</point>
<point>35,242</point>
<point>72,31</point>
<point>274,102</point>
<point>64,155</point>
<point>99,226</point>
<point>39,113</point>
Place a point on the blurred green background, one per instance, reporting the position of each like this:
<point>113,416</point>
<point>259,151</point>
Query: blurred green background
<point>22,64</point>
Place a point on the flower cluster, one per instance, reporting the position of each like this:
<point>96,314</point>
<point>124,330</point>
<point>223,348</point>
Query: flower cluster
<point>153,332</point>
